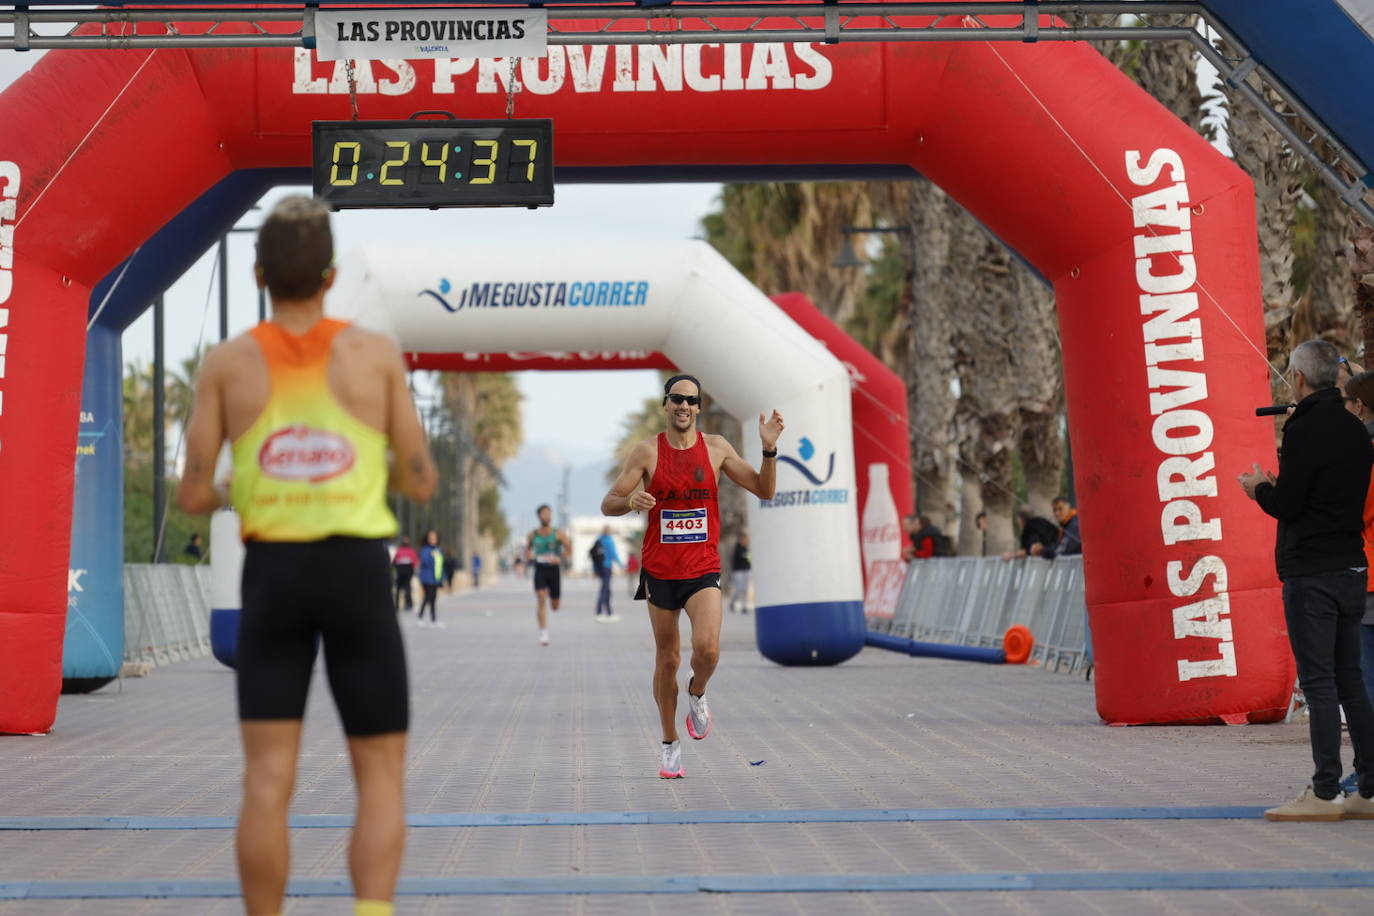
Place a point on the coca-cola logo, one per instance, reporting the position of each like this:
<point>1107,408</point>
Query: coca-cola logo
<point>300,453</point>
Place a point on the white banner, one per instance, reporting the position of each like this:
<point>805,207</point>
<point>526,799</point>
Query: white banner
<point>411,34</point>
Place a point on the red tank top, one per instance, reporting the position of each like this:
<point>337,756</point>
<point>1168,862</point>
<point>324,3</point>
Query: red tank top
<point>682,538</point>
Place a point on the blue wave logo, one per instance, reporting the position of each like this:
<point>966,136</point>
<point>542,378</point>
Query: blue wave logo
<point>807,450</point>
<point>445,288</point>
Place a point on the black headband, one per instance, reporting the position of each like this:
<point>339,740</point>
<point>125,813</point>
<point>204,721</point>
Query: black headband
<point>668,385</point>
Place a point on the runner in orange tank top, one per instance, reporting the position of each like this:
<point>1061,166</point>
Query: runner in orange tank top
<point>311,407</point>
<point>675,478</point>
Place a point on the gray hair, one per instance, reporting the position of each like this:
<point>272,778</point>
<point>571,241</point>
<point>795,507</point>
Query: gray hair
<point>1318,361</point>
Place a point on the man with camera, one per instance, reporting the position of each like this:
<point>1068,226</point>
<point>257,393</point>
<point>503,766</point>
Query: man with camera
<point>1318,498</point>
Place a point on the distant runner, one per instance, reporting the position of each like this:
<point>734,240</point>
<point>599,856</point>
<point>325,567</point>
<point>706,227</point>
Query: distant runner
<point>675,477</point>
<point>312,406</point>
<point>545,549</point>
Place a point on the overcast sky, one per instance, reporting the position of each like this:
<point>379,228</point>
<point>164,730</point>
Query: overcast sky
<point>578,414</point>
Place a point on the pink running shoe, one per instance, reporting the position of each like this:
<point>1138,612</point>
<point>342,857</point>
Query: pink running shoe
<point>671,767</point>
<point>698,715</point>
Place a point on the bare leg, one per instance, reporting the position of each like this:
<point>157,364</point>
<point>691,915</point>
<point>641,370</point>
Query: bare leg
<point>668,656</point>
<point>378,842</point>
<point>270,747</point>
<point>703,609</point>
<point>542,609</point>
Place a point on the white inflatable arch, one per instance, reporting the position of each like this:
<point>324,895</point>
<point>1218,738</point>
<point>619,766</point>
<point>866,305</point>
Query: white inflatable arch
<point>688,302</point>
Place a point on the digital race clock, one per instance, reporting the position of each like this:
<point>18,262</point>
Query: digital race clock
<point>434,163</point>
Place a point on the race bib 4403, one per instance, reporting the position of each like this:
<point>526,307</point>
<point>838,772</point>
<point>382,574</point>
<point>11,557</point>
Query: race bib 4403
<point>683,526</point>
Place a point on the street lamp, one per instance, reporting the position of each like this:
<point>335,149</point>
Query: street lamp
<point>848,257</point>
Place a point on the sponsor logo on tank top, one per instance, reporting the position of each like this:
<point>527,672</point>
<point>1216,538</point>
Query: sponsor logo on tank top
<point>1166,275</point>
<point>299,453</point>
<point>580,69</point>
<point>817,494</point>
<point>9,195</point>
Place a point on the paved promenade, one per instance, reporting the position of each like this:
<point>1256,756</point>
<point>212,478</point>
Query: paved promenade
<point>930,786</point>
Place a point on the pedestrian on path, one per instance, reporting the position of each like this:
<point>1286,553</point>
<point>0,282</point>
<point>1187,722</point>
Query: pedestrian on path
<point>1318,499</point>
<point>741,569</point>
<point>605,558</point>
<point>404,564</point>
<point>431,577</point>
<point>311,407</point>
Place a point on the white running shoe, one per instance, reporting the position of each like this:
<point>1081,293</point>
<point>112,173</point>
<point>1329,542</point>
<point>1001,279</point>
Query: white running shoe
<point>441,625</point>
<point>543,637</point>
<point>614,618</point>
<point>601,618</point>
<point>671,765</point>
<point>698,714</point>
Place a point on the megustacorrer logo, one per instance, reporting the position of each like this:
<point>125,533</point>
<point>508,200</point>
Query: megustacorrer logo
<point>806,450</point>
<point>302,454</point>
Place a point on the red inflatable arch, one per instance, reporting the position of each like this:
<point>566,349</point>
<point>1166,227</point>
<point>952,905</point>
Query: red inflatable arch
<point>1146,232</point>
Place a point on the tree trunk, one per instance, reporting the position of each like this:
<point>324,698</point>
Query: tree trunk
<point>971,503</point>
<point>989,307</point>
<point>1362,268</point>
<point>931,359</point>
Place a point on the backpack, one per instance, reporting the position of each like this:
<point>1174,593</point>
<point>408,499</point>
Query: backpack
<point>598,554</point>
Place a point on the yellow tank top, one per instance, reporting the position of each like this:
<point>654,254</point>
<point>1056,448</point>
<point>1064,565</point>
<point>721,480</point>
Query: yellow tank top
<point>307,469</point>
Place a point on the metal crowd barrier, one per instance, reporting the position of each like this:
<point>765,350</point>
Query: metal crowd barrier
<point>166,613</point>
<point>972,601</point>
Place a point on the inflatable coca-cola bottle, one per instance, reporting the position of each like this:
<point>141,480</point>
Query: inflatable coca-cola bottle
<point>880,532</point>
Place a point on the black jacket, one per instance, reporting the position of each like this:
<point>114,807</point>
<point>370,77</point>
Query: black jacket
<point>1319,497</point>
<point>1037,530</point>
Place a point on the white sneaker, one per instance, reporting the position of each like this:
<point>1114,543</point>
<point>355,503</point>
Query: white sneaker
<point>614,618</point>
<point>670,766</point>
<point>543,637</point>
<point>422,622</point>
<point>601,618</point>
<point>441,625</point>
<point>698,714</point>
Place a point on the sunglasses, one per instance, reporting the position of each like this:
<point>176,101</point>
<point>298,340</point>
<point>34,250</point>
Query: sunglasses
<point>690,399</point>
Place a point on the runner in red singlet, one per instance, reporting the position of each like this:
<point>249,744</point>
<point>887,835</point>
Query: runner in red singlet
<point>675,477</point>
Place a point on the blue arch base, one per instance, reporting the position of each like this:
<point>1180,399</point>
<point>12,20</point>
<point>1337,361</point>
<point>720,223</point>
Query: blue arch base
<point>815,633</point>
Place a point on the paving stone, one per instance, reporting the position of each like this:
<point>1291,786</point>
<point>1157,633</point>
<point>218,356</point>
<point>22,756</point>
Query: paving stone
<point>501,724</point>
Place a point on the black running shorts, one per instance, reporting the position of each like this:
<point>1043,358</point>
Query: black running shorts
<point>336,591</point>
<point>548,576</point>
<point>672,594</point>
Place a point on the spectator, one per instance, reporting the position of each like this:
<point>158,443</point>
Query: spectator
<point>1036,531</point>
<point>605,558</point>
<point>1070,542</point>
<point>1318,497</point>
<point>404,563</point>
<point>980,523</point>
<point>193,551</point>
<point>1359,400</point>
<point>741,568</point>
<point>926,539</point>
<point>476,570</point>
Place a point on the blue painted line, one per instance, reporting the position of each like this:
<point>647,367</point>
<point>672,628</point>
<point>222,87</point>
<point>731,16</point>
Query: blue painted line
<point>615,818</point>
<point>717,884</point>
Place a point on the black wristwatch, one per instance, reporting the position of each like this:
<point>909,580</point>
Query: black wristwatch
<point>768,454</point>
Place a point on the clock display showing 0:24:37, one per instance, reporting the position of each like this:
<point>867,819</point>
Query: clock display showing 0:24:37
<point>435,162</point>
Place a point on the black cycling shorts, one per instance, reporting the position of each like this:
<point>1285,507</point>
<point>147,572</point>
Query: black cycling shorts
<point>672,594</point>
<point>548,576</point>
<point>336,591</point>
